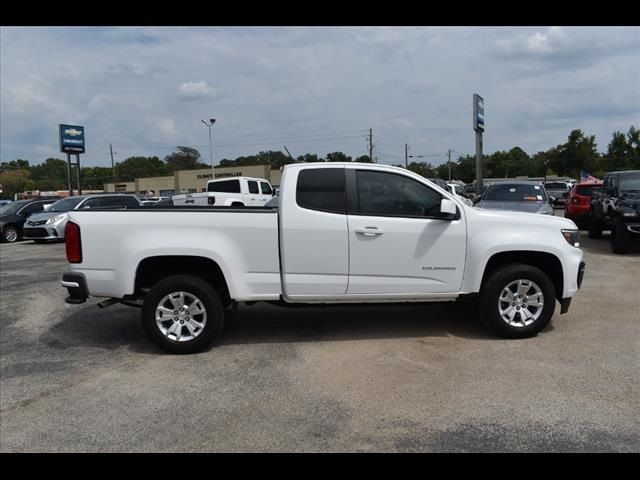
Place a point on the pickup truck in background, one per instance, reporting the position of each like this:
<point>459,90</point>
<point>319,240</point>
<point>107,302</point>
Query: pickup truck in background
<point>343,233</point>
<point>234,192</point>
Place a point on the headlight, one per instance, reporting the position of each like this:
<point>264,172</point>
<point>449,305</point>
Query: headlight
<point>55,219</point>
<point>572,237</point>
<point>627,212</point>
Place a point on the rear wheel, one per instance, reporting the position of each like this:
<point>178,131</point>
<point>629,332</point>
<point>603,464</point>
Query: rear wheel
<point>10,234</point>
<point>182,314</point>
<point>620,238</point>
<point>517,301</point>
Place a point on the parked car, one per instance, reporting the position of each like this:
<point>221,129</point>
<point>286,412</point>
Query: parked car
<point>152,200</point>
<point>617,208</point>
<point>344,233</point>
<point>458,190</point>
<point>520,195</point>
<point>559,191</point>
<point>578,204</point>
<point>225,192</point>
<point>14,215</point>
<point>50,225</point>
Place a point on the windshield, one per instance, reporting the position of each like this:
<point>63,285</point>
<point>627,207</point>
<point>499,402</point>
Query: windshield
<point>630,182</point>
<point>11,208</point>
<point>556,186</point>
<point>515,193</point>
<point>65,204</point>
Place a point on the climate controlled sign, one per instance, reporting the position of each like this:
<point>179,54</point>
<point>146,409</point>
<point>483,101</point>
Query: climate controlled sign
<point>71,139</point>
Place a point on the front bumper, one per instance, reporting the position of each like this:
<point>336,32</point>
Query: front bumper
<point>76,285</point>
<point>566,302</point>
<point>44,232</point>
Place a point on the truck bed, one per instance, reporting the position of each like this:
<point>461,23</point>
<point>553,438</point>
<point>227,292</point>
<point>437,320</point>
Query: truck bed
<point>248,246</point>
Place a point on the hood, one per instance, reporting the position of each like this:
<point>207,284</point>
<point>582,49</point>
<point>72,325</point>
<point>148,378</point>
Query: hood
<point>39,217</point>
<point>528,206</point>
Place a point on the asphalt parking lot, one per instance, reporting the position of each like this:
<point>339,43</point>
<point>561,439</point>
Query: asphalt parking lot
<point>375,379</point>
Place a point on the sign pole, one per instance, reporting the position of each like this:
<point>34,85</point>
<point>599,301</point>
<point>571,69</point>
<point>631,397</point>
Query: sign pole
<point>478,126</point>
<point>478,162</point>
<point>69,174</point>
<point>78,173</point>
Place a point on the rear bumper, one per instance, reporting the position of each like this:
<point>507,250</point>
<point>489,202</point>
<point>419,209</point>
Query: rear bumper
<point>76,285</point>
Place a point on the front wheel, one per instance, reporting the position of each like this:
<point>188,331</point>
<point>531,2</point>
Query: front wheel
<point>182,314</point>
<point>10,234</point>
<point>517,301</point>
<point>620,238</point>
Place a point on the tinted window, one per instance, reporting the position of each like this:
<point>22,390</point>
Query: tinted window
<point>132,202</point>
<point>65,204</point>
<point>630,182</point>
<point>12,208</point>
<point>266,189</point>
<point>587,190</point>
<point>516,192</point>
<point>253,186</point>
<point>33,208</point>
<point>381,193</point>
<point>227,186</point>
<point>322,189</point>
<point>92,203</point>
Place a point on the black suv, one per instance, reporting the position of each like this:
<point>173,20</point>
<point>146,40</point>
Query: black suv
<point>617,208</point>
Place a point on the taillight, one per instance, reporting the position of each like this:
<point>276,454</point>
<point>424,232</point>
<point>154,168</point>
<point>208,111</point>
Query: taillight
<point>211,200</point>
<point>72,241</point>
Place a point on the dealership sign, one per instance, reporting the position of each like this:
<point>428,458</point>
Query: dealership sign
<point>71,139</point>
<point>478,113</point>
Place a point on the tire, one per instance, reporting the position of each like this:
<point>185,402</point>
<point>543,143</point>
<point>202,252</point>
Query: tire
<point>518,279</point>
<point>173,335</point>
<point>595,227</point>
<point>620,238</point>
<point>10,234</point>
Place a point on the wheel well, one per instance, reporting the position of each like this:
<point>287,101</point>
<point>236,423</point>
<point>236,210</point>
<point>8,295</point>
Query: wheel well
<point>237,204</point>
<point>546,262</point>
<point>153,269</point>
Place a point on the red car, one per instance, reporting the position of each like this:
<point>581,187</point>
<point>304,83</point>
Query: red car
<point>578,204</point>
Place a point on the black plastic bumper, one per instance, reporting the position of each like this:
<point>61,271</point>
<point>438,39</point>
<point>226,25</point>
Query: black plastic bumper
<point>76,285</point>
<point>581,270</point>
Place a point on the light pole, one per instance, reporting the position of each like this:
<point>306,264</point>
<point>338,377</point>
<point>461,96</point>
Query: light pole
<point>210,124</point>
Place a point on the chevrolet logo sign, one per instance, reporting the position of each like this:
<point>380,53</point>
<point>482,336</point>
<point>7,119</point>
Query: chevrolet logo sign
<point>72,132</point>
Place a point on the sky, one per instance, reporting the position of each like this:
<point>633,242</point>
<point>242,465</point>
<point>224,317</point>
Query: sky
<point>313,89</point>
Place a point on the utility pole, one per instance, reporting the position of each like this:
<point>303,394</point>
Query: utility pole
<point>449,153</point>
<point>371,144</point>
<point>113,170</point>
<point>406,156</point>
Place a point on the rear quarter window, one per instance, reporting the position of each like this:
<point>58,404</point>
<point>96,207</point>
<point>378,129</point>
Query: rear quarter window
<point>322,189</point>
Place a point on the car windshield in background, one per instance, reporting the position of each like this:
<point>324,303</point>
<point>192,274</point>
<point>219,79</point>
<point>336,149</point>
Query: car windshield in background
<point>587,190</point>
<point>11,208</point>
<point>556,186</point>
<point>65,204</point>
<point>515,193</point>
<point>630,183</point>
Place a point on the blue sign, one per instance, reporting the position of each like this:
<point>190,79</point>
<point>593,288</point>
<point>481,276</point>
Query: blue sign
<point>71,139</point>
<point>478,113</point>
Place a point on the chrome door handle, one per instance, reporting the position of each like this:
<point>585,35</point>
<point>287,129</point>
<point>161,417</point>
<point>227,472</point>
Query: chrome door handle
<point>369,231</point>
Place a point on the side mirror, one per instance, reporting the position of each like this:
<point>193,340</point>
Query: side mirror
<point>552,199</point>
<point>477,200</point>
<point>448,207</point>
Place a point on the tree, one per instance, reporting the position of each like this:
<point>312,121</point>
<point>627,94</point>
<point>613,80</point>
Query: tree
<point>186,158</point>
<point>13,181</point>
<point>51,174</point>
<point>363,159</point>
<point>139,167</point>
<point>338,157</point>
<point>15,165</point>
<point>310,157</point>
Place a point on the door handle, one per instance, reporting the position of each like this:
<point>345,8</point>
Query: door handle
<point>369,231</point>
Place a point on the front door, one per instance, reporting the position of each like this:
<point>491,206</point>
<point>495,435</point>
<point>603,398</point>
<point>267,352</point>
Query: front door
<point>397,245</point>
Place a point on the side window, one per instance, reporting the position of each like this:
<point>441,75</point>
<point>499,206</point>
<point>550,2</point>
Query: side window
<point>614,185</point>
<point>33,208</point>
<point>266,189</point>
<point>390,194</point>
<point>253,186</point>
<point>226,186</point>
<point>91,203</point>
<point>322,189</point>
<point>130,202</point>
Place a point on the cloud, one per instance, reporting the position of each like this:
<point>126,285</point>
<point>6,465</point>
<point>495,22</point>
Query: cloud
<point>195,90</point>
<point>164,124</point>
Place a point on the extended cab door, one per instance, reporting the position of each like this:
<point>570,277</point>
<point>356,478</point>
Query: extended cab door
<point>399,242</point>
<point>314,244</point>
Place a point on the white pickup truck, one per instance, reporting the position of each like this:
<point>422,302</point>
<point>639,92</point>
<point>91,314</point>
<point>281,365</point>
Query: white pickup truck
<point>343,233</point>
<point>225,192</point>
